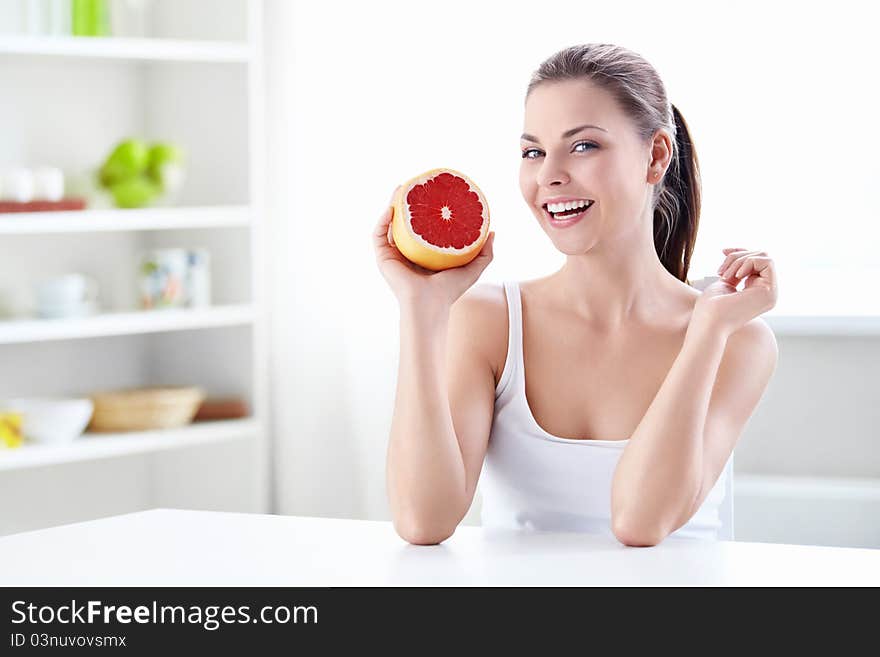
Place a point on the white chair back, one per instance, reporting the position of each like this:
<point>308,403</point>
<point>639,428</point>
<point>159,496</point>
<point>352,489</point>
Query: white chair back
<point>725,510</point>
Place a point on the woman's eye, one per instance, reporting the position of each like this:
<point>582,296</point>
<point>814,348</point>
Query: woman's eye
<point>526,156</point>
<point>584,143</point>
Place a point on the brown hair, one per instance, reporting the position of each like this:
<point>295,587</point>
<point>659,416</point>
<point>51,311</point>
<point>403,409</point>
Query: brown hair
<point>640,92</point>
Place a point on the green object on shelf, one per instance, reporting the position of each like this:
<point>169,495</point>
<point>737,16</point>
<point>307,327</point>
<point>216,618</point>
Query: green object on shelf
<point>90,17</point>
<point>136,192</point>
<point>137,173</point>
<point>165,165</point>
<point>130,158</point>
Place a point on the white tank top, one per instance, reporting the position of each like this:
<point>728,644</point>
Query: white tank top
<point>532,479</point>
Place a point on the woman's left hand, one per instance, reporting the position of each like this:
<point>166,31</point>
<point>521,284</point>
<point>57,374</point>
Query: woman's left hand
<point>724,308</point>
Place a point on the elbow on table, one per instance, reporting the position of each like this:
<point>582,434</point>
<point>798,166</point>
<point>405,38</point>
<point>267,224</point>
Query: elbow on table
<point>422,534</point>
<point>635,535</point>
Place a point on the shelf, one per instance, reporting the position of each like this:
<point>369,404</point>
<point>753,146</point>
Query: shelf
<point>91,446</point>
<point>830,325</point>
<point>80,221</point>
<point>800,487</point>
<point>145,321</point>
<point>127,48</point>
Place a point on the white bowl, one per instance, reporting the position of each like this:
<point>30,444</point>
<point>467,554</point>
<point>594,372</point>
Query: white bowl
<point>51,421</point>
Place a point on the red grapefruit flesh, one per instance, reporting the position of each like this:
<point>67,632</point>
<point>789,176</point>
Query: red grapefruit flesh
<point>441,219</point>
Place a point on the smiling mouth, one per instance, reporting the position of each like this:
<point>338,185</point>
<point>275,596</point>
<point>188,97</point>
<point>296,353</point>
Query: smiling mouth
<point>567,214</point>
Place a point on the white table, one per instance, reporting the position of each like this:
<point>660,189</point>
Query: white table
<point>198,548</point>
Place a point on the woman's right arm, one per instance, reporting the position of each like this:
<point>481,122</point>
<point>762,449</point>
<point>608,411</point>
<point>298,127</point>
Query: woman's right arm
<point>445,394</point>
<point>442,418</point>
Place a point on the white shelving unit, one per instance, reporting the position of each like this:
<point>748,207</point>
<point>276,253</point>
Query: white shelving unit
<point>93,221</point>
<point>101,446</point>
<point>140,322</point>
<point>152,50</point>
<point>197,80</point>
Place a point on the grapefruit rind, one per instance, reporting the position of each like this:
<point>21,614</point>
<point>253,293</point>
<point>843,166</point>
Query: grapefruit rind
<point>416,248</point>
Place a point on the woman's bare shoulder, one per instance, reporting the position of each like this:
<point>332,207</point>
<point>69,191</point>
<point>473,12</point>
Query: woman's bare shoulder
<point>484,306</point>
<point>483,312</point>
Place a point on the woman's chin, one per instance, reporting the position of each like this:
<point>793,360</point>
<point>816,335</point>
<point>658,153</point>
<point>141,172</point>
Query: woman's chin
<point>571,250</point>
<point>572,241</point>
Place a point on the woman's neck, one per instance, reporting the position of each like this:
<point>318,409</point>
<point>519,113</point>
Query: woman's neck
<point>617,284</point>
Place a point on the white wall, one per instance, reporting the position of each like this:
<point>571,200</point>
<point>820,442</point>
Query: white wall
<point>363,96</point>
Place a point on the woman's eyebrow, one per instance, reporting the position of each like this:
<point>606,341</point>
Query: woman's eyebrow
<point>566,134</point>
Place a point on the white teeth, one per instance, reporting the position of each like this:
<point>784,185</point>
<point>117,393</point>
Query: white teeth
<point>568,205</point>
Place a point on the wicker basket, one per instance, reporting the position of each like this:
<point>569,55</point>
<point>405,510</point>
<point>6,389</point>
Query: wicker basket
<point>141,409</point>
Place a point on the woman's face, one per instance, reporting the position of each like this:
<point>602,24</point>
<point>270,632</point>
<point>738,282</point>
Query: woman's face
<point>609,166</point>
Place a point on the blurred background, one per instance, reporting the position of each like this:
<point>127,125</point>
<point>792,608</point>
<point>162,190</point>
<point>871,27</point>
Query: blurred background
<point>190,310</point>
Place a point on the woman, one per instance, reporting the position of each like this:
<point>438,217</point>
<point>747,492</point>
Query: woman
<point>638,384</point>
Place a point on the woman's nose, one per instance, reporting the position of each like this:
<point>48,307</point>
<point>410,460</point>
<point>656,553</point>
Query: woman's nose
<point>551,174</point>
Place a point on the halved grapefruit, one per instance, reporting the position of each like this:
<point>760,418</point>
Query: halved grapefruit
<point>441,219</point>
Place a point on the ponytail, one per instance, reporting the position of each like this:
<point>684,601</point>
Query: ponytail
<point>677,209</point>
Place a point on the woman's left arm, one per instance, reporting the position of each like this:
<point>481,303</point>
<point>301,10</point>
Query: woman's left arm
<point>685,438</point>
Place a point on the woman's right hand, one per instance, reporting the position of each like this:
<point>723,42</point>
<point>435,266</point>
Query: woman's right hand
<point>413,284</point>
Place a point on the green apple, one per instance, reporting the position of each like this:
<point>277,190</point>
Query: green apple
<point>134,193</point>
<point>165,167</point>
<point>130,158</point>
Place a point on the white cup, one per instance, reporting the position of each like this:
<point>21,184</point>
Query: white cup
<point>69,295</point>
<point>198,278</point>
<point>48,184</point>
<point>18,185</point>
<point>163,278</point>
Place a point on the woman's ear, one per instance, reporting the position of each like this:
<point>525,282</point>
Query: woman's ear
<point>661,155</point>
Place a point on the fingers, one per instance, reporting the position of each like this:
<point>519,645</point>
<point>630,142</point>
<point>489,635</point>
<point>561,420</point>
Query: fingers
<point>475,267</point>
<point>730,256</point>
<point>383,241</point>
<point>734,261</point>
<point>390,235</point>
<point>383,226</point>
<point>382,231</point>
<point>487,253</point>
<point>753,265</point>
<point>384,247</point>
<point>739,265</point>
<point>488,250</point>
<point>758,270</point>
